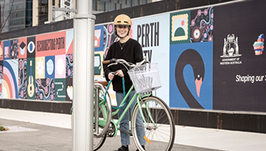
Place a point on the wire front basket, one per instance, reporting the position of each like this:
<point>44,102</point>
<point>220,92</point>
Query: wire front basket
<point>145,77</point>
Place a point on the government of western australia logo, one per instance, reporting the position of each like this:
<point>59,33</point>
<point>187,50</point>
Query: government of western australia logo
<point>231,54</point>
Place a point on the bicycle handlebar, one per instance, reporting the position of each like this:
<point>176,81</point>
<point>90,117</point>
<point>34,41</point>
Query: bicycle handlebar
<point>122,61</point>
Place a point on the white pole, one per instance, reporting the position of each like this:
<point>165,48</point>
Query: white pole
<point>83,77</point>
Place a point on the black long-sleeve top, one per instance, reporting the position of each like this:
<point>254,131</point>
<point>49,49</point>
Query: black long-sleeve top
<point>131,52</point>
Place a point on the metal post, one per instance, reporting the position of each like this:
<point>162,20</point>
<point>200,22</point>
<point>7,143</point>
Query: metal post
<point>83,77</point>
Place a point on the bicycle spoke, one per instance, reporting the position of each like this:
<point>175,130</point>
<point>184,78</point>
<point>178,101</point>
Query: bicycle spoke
<point>159,131</point>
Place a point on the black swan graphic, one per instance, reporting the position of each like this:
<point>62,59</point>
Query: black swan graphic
<point>193,58</point>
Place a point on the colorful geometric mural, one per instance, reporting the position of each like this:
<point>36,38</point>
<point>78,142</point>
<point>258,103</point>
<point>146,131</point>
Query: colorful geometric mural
<point>205,60</point>
<point>60,89</point>
<point>22,45</point>
<point>31,78</point>
<point>45,89</point>
<point>49,67</point>
<point>69,66</point>
<point>201,26</point>
<point>179,27</point>
<point>1,51</point>
<point>10,78</point>
<point>6,49</point>
<point>22,79</point>
<point>51,44</point>
<point>36,67</point>
<point>191,62</point>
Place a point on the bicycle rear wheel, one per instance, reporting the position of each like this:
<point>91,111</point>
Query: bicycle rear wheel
<point>159,127</point>
<point>98,141</point>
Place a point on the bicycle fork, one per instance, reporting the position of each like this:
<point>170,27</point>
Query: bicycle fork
<point>148,112</point>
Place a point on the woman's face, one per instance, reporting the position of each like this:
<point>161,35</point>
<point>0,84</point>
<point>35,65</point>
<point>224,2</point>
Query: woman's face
<point>122,30</point>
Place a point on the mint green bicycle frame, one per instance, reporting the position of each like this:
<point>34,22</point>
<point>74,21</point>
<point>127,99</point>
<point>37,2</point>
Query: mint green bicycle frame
<point>102,122</point>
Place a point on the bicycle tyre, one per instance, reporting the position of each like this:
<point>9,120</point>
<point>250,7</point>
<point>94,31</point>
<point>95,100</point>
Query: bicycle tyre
<point>98,141</point>
<point>163,119</point>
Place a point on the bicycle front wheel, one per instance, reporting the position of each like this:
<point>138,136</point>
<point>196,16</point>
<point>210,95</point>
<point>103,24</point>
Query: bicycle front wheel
<point>157,131</point>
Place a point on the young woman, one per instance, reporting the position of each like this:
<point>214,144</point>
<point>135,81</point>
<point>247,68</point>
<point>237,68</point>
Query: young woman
<point>131,51</point>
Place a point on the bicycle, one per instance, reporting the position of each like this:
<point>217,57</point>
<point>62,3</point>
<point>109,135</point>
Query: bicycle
<point>157,119</point>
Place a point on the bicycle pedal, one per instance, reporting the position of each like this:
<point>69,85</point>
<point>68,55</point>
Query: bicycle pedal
<point>129,133</point>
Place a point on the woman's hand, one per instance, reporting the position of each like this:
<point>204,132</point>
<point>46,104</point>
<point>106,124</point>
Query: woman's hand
<point>111,75</point>
<point>119,73</point>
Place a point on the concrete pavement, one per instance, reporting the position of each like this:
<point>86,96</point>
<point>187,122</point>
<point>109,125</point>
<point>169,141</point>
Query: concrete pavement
<point>41,131</point>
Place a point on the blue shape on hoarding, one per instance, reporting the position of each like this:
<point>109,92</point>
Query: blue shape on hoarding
<point>99,37</point>
<point>50,67</point>
<point>177,96</point>
<point>7,49</point>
